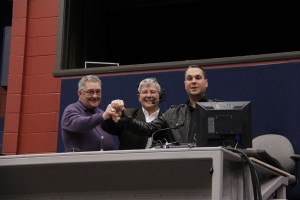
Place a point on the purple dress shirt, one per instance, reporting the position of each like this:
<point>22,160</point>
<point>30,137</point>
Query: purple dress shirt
<point>81,129</point>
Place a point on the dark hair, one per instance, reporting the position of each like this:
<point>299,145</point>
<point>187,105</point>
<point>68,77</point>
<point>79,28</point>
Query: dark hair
<point>196,66</point>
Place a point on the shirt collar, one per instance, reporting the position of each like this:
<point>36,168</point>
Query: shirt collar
<point>93,110</point>
<point>202,99</point>
<point>150,117</point>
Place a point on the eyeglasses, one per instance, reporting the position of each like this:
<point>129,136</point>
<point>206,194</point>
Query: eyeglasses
<point>92,92</point>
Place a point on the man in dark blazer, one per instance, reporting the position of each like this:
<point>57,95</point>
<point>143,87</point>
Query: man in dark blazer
<point>150,94</point>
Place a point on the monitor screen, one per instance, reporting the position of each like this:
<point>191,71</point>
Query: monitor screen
<point>226,124</point>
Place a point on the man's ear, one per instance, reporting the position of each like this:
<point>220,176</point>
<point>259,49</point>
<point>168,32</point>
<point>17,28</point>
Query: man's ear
<point>138,97</point>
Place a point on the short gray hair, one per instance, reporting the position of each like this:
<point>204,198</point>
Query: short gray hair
<point>88,78</point>
<point>149,81</point>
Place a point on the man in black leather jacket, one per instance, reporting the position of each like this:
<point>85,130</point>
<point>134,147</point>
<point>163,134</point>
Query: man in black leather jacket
<point>176,125</point>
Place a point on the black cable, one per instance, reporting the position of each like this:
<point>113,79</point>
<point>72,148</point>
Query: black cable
<point>160,130</point>
<point>244,185</point>
<point>253,172</point>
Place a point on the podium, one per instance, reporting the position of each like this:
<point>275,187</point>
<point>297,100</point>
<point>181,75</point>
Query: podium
<point>180,173</point>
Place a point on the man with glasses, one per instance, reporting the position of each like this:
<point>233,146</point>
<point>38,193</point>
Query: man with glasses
<point>80,124</point>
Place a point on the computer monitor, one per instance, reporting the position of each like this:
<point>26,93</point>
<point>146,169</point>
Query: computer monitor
<point>226,124</point>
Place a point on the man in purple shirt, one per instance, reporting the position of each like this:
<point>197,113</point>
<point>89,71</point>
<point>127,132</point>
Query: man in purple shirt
<point>80,124</point>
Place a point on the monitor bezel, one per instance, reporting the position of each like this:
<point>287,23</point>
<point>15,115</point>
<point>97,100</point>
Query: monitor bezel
<point>236,114</point>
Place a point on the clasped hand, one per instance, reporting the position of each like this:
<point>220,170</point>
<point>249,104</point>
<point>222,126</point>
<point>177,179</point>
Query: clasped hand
<point>114,110</point>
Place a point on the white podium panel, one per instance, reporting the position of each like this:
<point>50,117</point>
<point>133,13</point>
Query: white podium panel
<point>185,173</point>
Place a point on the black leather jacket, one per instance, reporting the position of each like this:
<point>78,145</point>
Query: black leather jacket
<point>127,138</point>
<point>173,125</point>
